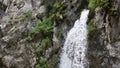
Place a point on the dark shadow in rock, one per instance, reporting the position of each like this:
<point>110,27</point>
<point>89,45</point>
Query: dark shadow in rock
<point>1,64</point>
<point>3,6</point>
<point>2,9</point>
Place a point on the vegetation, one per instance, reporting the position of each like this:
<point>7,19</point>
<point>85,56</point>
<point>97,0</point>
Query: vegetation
<point>44,30</point>
<point>27,15</point>
<point>91,26</point>
<point>92,4</point>
<point>98,3</point>
<point>23,17</point>
<point>41,64</point>
<point>112,11</point>
<point>105,5</point>
<point>43,45</point>
<point>45,27</point>
<point>59,32</point>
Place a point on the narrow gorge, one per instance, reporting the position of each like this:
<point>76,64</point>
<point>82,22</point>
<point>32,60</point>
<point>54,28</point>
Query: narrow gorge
<point>59,33</point>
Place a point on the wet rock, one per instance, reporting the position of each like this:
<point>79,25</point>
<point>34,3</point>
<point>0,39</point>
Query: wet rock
<point>104,40</point>
<point>1,34</point>
<point>15,24</point>
<point>114,49</point>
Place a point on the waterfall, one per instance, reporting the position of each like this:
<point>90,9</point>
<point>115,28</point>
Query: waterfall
<point>74,50</point>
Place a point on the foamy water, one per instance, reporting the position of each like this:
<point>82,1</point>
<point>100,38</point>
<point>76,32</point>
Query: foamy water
<point>74,50</point>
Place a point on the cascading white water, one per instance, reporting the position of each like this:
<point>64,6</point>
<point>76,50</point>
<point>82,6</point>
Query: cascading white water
<point>74,50</point>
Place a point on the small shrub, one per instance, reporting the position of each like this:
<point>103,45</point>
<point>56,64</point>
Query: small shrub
<point>44,27</point>
<point>92,4</point>
<point>42,63</point>
<point>44,43</point>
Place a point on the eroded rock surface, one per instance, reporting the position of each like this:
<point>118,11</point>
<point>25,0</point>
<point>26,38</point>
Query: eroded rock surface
<point>104,41</point>
<point>15,23</point>
<point>19,18</point>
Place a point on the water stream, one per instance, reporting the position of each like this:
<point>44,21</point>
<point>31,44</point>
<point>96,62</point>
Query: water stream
<point>74,50</point>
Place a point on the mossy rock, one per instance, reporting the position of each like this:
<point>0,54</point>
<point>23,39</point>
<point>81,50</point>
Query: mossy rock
<point>52,62</point>
<point>95,61</point>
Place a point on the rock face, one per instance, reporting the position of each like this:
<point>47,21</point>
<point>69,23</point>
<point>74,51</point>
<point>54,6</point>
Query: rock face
<point>15,23</point>
<point>104,41</point>
<point>19,17</point>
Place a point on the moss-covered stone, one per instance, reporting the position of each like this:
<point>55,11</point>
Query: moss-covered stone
<point>91,25</point>
<point>44,31</point>
<point>52,62</point>
<point>92,4</point>
<point>59,33</point>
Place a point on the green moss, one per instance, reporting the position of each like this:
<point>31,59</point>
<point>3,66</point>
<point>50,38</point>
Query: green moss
<point>98,3</point>
<point>92,4</point>
<point>91,26</point>
<point>103,3</point>
<point>52,62</point>
<point>58,7</point>
<point>43,30</point>
<point>42,63</point>
<point>44,43</point>
<point>41,49</point>
<point>58,10</point>
<point>112,11</point>
<point>37,66</point>
<point>44,27</point>
<point>59,32</point>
